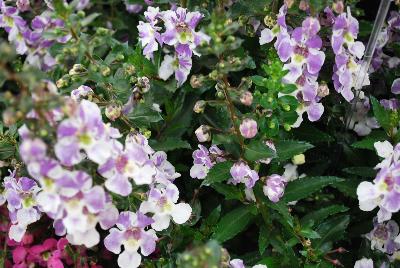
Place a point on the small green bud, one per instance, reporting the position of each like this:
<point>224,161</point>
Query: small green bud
<point>287,127</point>
<point>105,71</point>
<point>119,57</point>
<point>286,107</point>
<point>299,159</point>
<point>81,14</point>
<point>272,125</point>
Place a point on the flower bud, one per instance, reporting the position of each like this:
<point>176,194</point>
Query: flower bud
<point>246,98</point>
<point>299,159</point>
<point>9,117</point>
<point>63,81</point>
<point>105,71</point>
<point>102,31</point>
<point>129,69</point>
<point>304,5</point>
<point>338,7</point>
<point>199,106</point>
<point>119,57</point>
<point>203,133</point>
<point>143,84</point>
<point>113,111</point>
<point>248,128</point>
<point>323,90</point>
<point>196,81</point>
<point>289,3</point>
<point>23,5</point>
<point>274,187</point>
<point>287,127</point>
<point>77,69</point>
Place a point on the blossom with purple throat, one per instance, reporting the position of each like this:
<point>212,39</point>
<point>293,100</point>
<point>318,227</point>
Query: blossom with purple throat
<point>83,130</point>
<point>204,159</point>
<point>162,203</point>
<point>383,236</point>
<point>149,35</point>
<point>242,173</point>
<point>348,54</point>
<point>178,64</point>
<point>20,194</point>
<point>131,234</point>
<point>274,187</point>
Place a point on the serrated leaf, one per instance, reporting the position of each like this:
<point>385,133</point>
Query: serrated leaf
<point>218,173</point>
<point>310,233</point>
<point>257,150</point>
<point>283,210</point>
<point>142,115</point>
<point>347,187</point>
<point>169,144</point>
<point>233,223</point>
<point>368,142</point>
<point>286,149</point>
<point>306,186</point>
<point>320,215</point>
<point>308,132</point>
<point>258,80</point>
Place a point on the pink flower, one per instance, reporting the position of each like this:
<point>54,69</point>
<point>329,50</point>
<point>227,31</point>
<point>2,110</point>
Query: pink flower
<point>248,128</point>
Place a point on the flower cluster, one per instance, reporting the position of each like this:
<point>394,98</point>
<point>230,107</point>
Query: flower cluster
<point>204,159</point>
<point>31,40</point>
<point>300,50</point>
<point>348,54</point>
<point>179,33</point>
<point>383,192</point>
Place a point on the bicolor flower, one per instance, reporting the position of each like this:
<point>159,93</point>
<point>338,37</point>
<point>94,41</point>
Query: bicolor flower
<point>131,234</point>
<point>162,203</point>
<point>383,236</point>
<point>274,187</point>
<point>242,173</point>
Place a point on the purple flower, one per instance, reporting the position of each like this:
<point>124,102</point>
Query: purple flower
<point>383,236</point>
<point>279,31</point>
<point>130,233</point>
<point>203,133</point>
<point>396,86</point>
<point>162,203</point>
<point>248,128</point>
<point>23,5</point>
<point>83,130</point>
<point>360,121</point>
<point>180,64</point>
<point>274,187</point>
<point>204,159</point>
<point>242,173</point>
<point>364,263</point>
<point>390,104</point>
<point>81,92</point>
<point>20,194</point>
<point>149,35</point>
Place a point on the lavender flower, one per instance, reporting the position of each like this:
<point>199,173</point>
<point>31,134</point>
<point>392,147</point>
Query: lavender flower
<point>242,173</point>
<point>131,234</point>
<point>204,160</point>
<point>162,203</point>
<point>81,92</point>
<point>274,187</point>
<point>396,86</point>
<point>20,194</point>
<point>203,133</point>
<point>149,35</point>
<point>179,64</point>
<point>360,121</point>
<point>238,263</point>
<point>383,237</point>
<point>364,263</point>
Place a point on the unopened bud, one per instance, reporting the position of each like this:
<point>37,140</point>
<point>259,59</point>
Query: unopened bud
<point>119,57</point>
<point>105,71</point>
<point>143,84</point>
<point>77,69</point>
<point>9,117</point>
<point>63,81</point>
<point>102,31</point>
<point>299,159</point>
<point>203,133</point>
<point>248,128</point>
<point>323,90</point>
<point>199,106</point>
<point>338,7</point>
<point>287,127</point>
<point>304,5</point>
<point>196,81</point>
<point>130,69</point>
<point>113,111</point>
<point>246,98</point>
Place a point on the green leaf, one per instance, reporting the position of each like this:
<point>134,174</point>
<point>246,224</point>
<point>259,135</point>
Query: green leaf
<point>89,19</point>
<point>271,262</point>
<point>286,149</point>
<point>381,114</point>
<point>257,150</point>
<point>229,191</point>
<point>169,144</point>
<point>308,132</point>
<point>347,187</point>
<point>258,80</point>
<point>218,173</point>
<point>367,172</point>
<point>332,230</point>
<point>263,239</point>
<point>233,223</point>
<point>368,142</point>
<point>310,233</point>
<point>283,210</point>
<point>288,88</point>
<point>142,115</point>
<point>320,215</point>
<point>306,186</point>
<point>6,150</point>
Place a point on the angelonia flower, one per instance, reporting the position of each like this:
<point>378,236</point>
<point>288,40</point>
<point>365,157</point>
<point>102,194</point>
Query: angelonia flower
<point>348,54</point>
<point>130,233</point>
<point>30,40</point>
<point>162,203</point>
<point>383,191</point>
<point>20,194</point>
<point>364,263</point>
<point>81,92</point>
<point>242,173</point>
<point>23,5</point>
<point>396,86</point>
<point>246,98</point>
<point>204,159</point>
<point>248,128</point>
<point>203,133</point>
<point>360,121</point>
<point>384,237</point>
<point>238,263</point>
<point>179,33</point>
<point>300,50</point>
<point>274,187</point>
